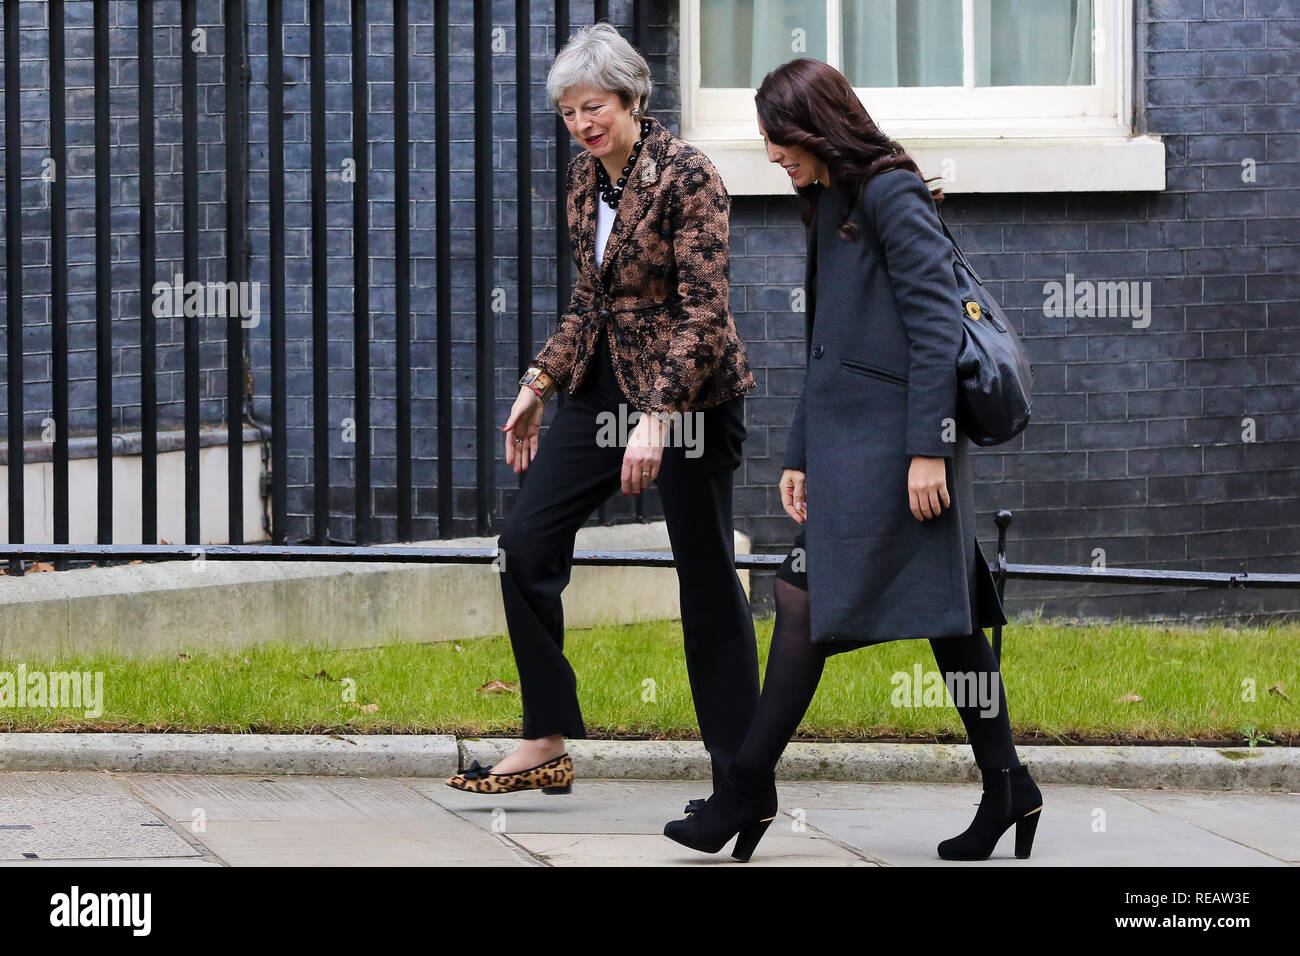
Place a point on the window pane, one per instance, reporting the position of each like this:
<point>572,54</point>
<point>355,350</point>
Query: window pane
<point>1033,42</point>
<point>741,41</point>
<point>902,42</point>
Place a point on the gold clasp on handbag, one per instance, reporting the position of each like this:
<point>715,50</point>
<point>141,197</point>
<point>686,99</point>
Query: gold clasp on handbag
<point>973,309</point>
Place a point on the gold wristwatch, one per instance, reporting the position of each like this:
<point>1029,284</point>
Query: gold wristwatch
<point>539,382</point>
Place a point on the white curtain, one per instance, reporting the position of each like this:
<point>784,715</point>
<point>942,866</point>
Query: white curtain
<point>902,42</point>
<point>741,41</point>
<point>784,30</point>
<point>1033,42</point>
<point>886,43</point>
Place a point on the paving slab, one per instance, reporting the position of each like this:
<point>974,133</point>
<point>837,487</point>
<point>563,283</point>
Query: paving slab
<point>253,820</point>
<point>442,841</point>
<point>607,806</point>
<point>1254,820</point>
<point>84,826</point>
<point>630,849</point>
<point>49,783</point>
<point>132,861</point>
<point>185,798</point>
<point>1080,826</point>
<point>320,821</point>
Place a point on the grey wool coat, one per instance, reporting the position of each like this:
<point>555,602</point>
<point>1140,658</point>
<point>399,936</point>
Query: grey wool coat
<point>884,328</point>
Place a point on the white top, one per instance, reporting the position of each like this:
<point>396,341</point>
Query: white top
<point>604,224</point>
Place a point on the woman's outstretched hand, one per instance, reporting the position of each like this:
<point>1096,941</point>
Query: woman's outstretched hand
<point>927,485</point>
<point>644,453</point>
<point>794,494</point>
<point>522,428</point>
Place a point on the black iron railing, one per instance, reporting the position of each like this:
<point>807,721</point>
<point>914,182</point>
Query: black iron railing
<point>238,397</point>
<point>403,554</point>
<point>236,76</point>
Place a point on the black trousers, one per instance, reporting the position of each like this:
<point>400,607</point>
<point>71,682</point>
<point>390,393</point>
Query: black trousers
<point>571,475</point>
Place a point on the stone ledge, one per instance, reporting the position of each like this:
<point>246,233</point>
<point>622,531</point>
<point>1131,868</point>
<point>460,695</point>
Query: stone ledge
<point>175,606</point>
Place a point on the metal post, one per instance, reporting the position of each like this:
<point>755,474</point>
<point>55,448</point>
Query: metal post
<point>14,271</point>
<point>361,275</point>
<point>402,228</point>
<point>103,284</point>
<point>236,237</point>
<point>1002,519</point>
<point>320,283</point>
<point>148,249</point>
<point>279,354</point>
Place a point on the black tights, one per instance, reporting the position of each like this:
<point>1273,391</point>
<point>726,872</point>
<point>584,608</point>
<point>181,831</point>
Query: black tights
<point>794,668</point>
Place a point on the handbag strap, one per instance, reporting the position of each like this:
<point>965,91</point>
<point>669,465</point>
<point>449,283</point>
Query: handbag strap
<point>961,256</point>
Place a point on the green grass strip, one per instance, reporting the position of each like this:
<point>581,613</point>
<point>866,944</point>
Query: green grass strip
<point>1064,682</point>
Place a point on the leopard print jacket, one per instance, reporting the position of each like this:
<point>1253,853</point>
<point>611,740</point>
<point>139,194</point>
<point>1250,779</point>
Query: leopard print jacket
<point>662,287</point>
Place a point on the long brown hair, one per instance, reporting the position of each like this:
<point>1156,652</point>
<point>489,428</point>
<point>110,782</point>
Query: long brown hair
<point>810,104</point>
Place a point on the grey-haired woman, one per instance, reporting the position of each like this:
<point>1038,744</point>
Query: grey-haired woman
<point>647,333</point>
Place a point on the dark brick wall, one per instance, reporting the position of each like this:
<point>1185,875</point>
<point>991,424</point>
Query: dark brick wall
<point>1136,447</point>
<point>124,193</point>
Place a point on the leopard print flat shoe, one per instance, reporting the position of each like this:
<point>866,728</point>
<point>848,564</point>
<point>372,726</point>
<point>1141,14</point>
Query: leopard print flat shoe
<point>554,776</point>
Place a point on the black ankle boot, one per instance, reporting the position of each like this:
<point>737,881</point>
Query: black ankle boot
<point>744,804</point>
<point>1010,796</point>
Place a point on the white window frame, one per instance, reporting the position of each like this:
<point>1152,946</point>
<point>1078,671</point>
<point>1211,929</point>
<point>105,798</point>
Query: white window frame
<point>978,139</point>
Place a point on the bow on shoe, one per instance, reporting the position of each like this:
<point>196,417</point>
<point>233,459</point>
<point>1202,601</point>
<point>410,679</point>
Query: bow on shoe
<point>476,772</point>
<point>694,806</point>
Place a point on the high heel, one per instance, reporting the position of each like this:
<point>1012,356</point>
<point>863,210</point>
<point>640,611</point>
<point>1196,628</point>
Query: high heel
<point>743,806</point>
<point>1010,796</point>
<point>747,840</point>
<point>1025,828</point>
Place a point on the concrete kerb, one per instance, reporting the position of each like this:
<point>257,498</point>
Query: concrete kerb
<point>428,755</point>
<point>1193,768</point>
<point>367,755</point>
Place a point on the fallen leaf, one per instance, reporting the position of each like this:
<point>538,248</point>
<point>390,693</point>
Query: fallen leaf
<point>497,687</point>
<point>321,675</point>
<point>1280,689</point>
<point>1214,711</point>
<point>1128,698</point>
<point>41,566</point>
<point>368,708</point>
<point>182,657</point>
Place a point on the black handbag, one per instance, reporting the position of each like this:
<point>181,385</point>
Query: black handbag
<point>994,377</point>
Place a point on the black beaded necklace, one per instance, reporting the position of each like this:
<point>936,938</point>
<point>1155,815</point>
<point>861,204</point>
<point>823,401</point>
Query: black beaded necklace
<point>611,193</point>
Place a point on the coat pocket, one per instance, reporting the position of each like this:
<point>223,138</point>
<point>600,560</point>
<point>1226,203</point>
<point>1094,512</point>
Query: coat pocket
<point>873,371</point>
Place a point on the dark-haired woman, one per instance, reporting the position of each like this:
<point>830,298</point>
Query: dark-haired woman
<point>888,549</point>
